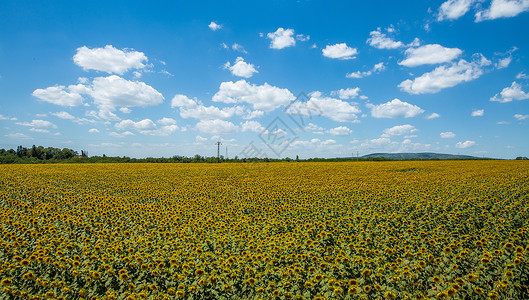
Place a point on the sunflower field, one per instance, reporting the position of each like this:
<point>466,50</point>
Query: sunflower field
<point>294,230</point>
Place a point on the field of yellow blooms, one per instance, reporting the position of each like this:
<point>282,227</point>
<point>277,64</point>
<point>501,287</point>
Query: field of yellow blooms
<point>356,230</point>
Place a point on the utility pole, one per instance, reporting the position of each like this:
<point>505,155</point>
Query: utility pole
<point>218,150</point>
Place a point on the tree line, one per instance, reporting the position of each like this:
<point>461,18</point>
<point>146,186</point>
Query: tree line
<point>40,154</point>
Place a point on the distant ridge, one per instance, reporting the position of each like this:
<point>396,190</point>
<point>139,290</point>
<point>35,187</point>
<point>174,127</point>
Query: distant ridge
<point>424,155</point>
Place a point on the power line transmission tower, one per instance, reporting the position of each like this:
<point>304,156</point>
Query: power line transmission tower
<point>218,150</point>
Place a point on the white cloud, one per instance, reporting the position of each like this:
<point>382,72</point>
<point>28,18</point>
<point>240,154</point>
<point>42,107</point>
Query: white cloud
<point>18,136</point>
<point>380,40</point>
<point>358,74</point>
<point>109,92</point>
<point>503,123</point>
<point>465,144</point>
<point>200,139</point>
<point>454,9</point>
<point>521,117</point>
<point>433,116</point>
<point>340,131</point>
<point>262,97</point>
<point>377,68</point>
<point>214,26</point>
<point>281,38</point>
<point>121,135</point>
<point>63,115</point>
<point>445,76</point>
<point>109,59</point>
<point>310,144</point>
<point>478,113</point>
<point>125,110</point>
<point>166,121</point>
<point>38,124</point>
<point>241,68</point>
<point>339,51</point>
<point>429,54</point>
<point>145,124</point>
<point>522,75</point>
<point>504,62</point>
<point>447,135</point>
<point>60,95</point>
<point>147,127</point>
<point>238,47</point>
<point>398,130</point>
<point>303,38</point>
<point>502,9</point>
<point>40,130</point>
<point>334,109</point>
<point>385,144</point>
<point>348,93</point>
<point>509,93</point>
<point>216,127</point>
<point>2,117</point>
<point>252,126</point>
<point>93,130</point>
<point>395,109</point>
<point>202,112</point>
<point>313,127</point>
<point>190,108</point>
<point>183,101</point>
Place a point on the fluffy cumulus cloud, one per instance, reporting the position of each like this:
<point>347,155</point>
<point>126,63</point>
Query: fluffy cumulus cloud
<point>465,144</point>
<point>398,130</point>
<point>445,76</point>
<point>348,93</point>
<point>241,68</point>
<point>281,38</point>
<point>114,91</point>
<point>93,130</point>
<point>502,9</point>
<point>192,108</point>
<point>513,92</point>
<point>61,95</point>
<point>109,59</point>
<point>395,109</point>
<point>261,97</point>
<point>334,109</point>
<point>454,9</point>
<point>478,113</point>
<point>216,127</point>
<point>339,51</point>
<point>380,40</point>
<point>147,127</point>
<point>433,116</point>
<point>214,26</point>
<point>447,135</point>
<point>253,126</point>
<point>340,131</point>
<point>107,92</point>
<point>429,54</point>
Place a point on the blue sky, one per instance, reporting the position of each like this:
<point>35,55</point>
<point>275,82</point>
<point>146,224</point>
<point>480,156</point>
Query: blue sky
<point>275,78</point>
